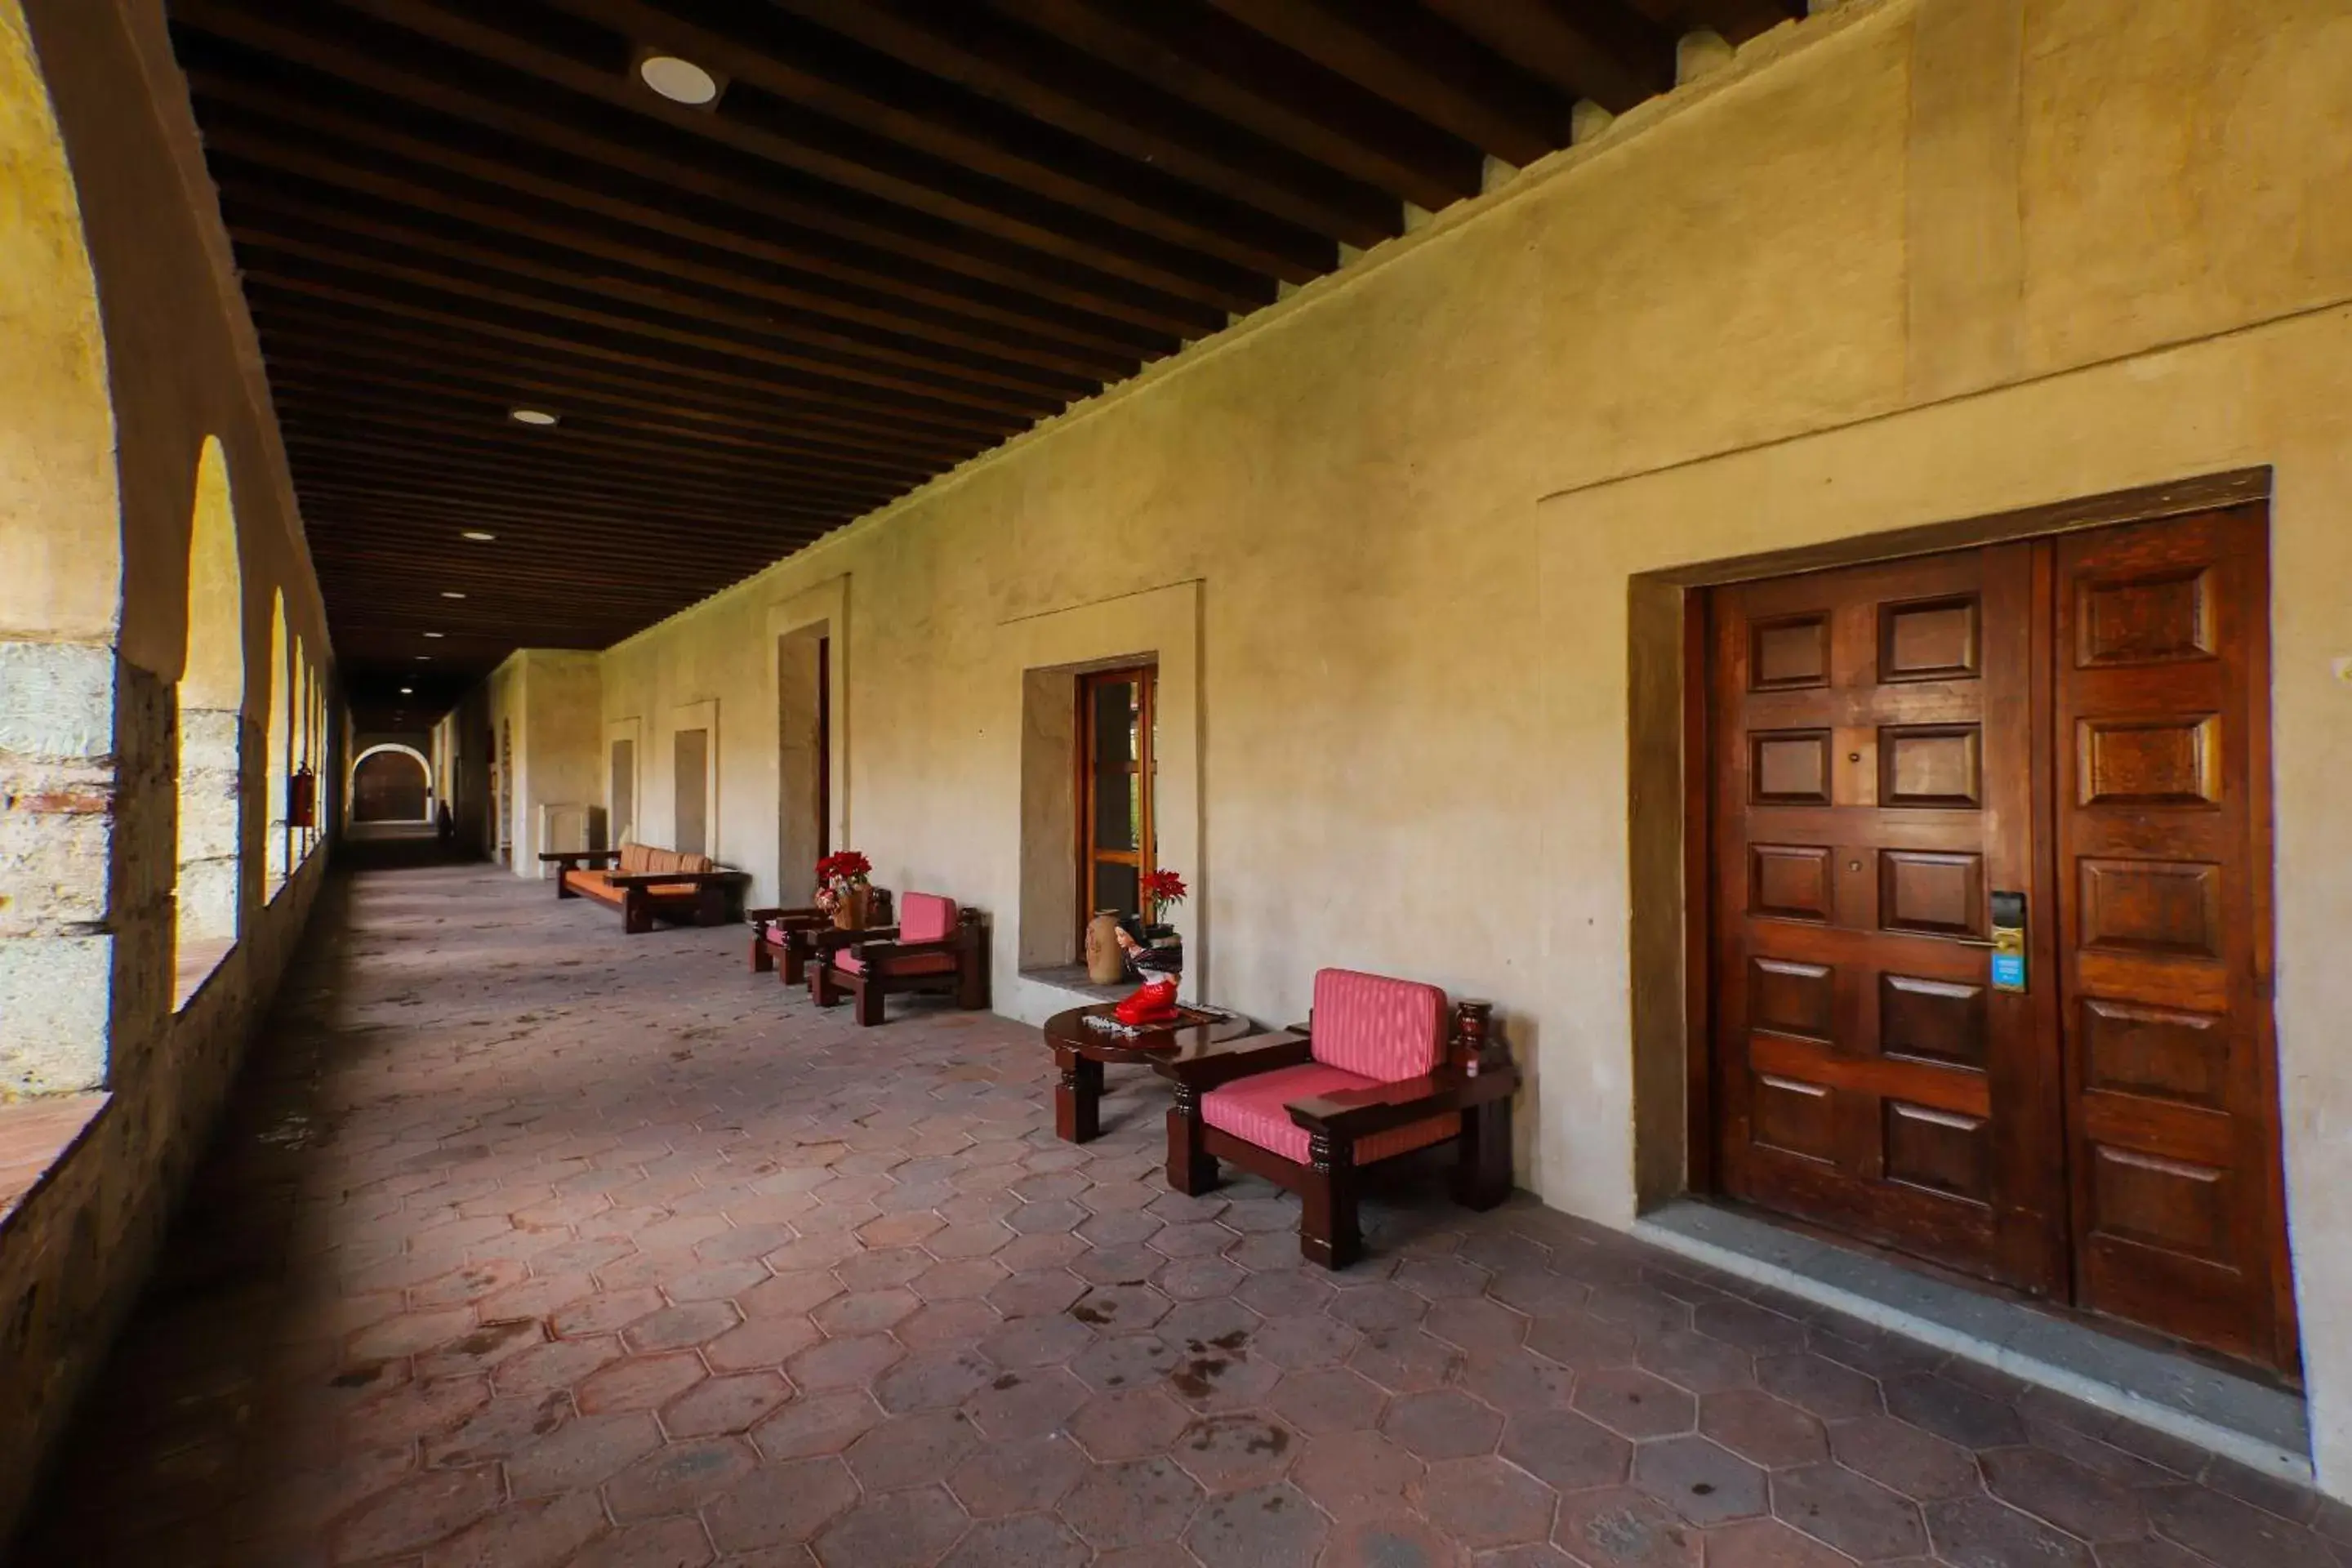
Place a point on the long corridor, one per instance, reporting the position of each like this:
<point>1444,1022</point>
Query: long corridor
<point>531,1243</point>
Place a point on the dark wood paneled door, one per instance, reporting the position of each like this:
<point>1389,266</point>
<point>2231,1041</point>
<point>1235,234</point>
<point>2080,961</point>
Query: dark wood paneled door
<point>2081,721</point>
<point>1875,760</point>
<point>2165,861</point>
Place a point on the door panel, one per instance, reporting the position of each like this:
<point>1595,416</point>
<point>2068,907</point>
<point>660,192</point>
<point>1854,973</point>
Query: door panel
<point>1877,755</point>
<point>2083,720</point>
<point>2163,816</point>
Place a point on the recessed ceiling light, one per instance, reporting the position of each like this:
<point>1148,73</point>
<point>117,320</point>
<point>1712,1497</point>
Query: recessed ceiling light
<point>408,692</point>
<point>422,656</point>
<point>437,635</point>
<point>680,81</point>
<point>478,535</point>
<point>451,594</point>
<point>532,417</point>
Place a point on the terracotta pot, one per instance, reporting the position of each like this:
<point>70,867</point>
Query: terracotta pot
<point>1106,964</point>
<point>850,913</point>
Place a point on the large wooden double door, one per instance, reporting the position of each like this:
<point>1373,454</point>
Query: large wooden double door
<point>1900,749</point>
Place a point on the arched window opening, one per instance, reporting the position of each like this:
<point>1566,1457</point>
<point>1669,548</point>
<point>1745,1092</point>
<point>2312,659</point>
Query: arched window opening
<point>392,783</point>
<point>209,888</point>
<point>279,744</point>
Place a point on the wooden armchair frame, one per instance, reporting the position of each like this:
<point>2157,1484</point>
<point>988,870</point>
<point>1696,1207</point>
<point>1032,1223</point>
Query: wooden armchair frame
<point>791,935</point>
<point>1478,1081</point>
<point>875,947</point>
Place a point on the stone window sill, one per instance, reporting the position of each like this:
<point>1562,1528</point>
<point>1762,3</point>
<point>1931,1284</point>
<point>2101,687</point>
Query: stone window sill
<point>1072,977</point>
<point>34,1135</point>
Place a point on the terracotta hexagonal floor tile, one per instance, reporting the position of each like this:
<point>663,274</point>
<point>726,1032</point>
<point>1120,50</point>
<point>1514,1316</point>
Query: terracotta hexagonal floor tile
<point>1267,1524</point>
<point>1851,1513</point>
<point>1901,1457</point>
<point>1132,1503</point>
<point>1444,1423</point>
<point>1701,1481</point>
<point>909,1450</point>
<point>1618,1527</point>
<point>1049,1339</point>
<point>734,1402</point>
<point>898,1530</point>
<point>1329,1400</point>
<point>851,1362</point>
<point>1032,1542</point>
<point>1817,1384</point>
<point>761,1342</point>
<point>1129,1423</point>
<point>658,1543</point>
<point>1395,1543</point>
<point>1358,1475</point>
<point>640,1382</point>
<point>682,1477</point>
<point>1001,1478</point>
<point>1517,1380</point>
<point>1582,1342</point>
<point>1227,1453</point>
<point>416,1513</point>
<point>1984,1532</point>
<point>1764,1430</point>
<point>816,1424</point>
<point>1484,1503</point>
<point>1026,1403</point>
<point>933,1380</point>
<point>681,1326</point>
<point>1635,1403</point>
<point>781,1504</point>
<point>865,1311</point>
<point>1566,1449</point>
<point>1767,1543</point>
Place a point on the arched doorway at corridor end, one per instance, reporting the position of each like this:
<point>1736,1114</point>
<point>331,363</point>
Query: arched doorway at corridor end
<point>392,783</point>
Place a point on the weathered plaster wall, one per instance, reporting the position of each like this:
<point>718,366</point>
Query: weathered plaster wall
<point>126,346</point>
<point>549,703</point>
<point>1912,259</point>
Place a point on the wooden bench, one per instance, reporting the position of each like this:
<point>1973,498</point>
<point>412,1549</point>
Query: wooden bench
<point>648,884</point>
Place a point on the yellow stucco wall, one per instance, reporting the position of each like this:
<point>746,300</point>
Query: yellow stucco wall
<point>1911,261</point>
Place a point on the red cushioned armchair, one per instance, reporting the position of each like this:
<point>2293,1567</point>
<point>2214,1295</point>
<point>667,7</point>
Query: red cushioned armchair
<point>786,939</point>
<point>1370,1076</point>
<point>934,947</point>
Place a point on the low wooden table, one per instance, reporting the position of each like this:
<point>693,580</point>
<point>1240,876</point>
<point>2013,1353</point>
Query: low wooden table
<point>1080,1052</point>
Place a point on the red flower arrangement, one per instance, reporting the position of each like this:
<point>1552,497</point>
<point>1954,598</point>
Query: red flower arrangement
<point>838,876</point>
<point>1159,890</point>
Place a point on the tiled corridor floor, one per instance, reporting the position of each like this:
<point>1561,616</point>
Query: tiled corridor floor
<point>535,1243</point>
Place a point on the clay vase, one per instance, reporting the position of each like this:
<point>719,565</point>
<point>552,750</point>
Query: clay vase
<point>1105,965</point>
<point>850,913</point>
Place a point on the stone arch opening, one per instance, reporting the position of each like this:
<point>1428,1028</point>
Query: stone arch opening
<point>208,893</point>
<point>279,746</point>
<point>392,783</point>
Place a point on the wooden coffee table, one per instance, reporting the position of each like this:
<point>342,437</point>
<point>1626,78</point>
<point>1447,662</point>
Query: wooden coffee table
<point>1080,1052</point>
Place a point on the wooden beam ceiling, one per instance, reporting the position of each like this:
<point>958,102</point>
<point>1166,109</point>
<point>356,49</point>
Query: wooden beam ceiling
<point>907,231</point>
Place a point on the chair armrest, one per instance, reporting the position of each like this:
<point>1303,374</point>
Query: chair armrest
<point>573,857</point>
<point>700,878</point>
<point>787,917</point>
<point>1355,1113</point>
<point>1222,1064</point>
<point>833,940</point>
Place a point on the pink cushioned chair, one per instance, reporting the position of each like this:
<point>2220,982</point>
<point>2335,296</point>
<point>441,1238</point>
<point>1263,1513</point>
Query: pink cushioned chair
<point>1368,1077</point>
<point>934,947</point>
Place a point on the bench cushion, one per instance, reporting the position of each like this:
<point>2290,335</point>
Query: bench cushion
<point>1387,1030</point>
<point>591,883</point>
<point>1255,1110</point>
<point>638,859</point>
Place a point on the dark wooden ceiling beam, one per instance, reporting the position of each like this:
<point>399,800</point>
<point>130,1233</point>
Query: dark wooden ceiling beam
<point>822,72</point>
<point>574,451</point>
<point>355,384</point>
<point>1420,64</point>
<point>563,562</point>
<point>838,153</point>
<point>1231,70</point>
<point>250,166</point>
<point>263,215</point>
<point>617,348</point>
<point>390,464</point>
<point>364,511</point>
<point>283,127</point>
<point>1600,50</point>
<point>265,252</point>
<point>1737,20</point>
<point>1037,75</point>
<point>877,223</point>
<point>317,331</point>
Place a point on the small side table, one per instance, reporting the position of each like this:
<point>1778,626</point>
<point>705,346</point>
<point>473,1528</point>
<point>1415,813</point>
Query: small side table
<point>1080,1051</point>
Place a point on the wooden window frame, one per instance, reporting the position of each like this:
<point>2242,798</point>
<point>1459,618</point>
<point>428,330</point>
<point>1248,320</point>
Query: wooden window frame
<point>1146,679</point>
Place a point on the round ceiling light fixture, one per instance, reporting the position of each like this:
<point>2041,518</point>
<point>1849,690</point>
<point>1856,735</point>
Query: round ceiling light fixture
<point>478,535</point>
<point>451,594</point>
<point>540,416</point>
<point>680,81</point>
<point>437,635</point>
<point>408,692</point>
